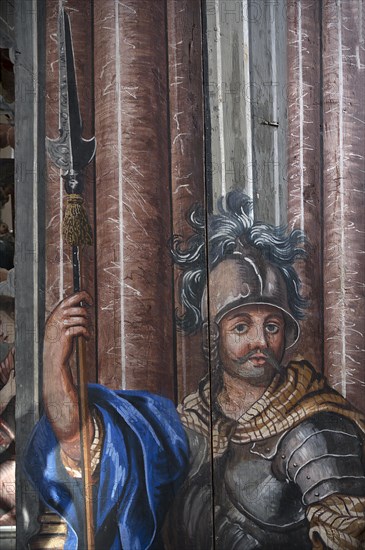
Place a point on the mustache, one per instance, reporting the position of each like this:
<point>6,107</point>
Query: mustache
<point>268,355</point>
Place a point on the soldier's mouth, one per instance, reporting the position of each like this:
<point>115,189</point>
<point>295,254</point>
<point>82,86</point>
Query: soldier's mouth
<point>260,358</point>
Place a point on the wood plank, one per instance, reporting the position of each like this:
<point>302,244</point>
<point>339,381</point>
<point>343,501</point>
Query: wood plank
<point>58,254</point>
<point>29,208</point>
<point>108,163</point>
<point>305,163</point>
<point>227,94</point>
<point>246,97</point>
<point>187,188</point>
<point>187,157</point>
<point>344,166</point>
<point>267,23</point>
<point>133,153</point>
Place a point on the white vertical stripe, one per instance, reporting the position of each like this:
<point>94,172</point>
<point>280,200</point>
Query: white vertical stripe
<point>275,112</point>
<point>247,95</point>
<point>342,316</point>
<point>301,116</point>
<point>120,190</point>
<point>220,98</point>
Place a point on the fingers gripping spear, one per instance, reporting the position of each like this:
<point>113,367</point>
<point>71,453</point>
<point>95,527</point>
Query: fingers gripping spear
<point>71,153</point>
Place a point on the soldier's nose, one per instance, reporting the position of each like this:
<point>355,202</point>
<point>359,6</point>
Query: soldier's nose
<point>258,338</point>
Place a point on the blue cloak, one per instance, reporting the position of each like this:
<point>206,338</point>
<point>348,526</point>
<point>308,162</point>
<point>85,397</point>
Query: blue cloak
<point>144,460</point>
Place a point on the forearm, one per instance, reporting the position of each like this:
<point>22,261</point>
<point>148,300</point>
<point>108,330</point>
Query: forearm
<point>62,408</point>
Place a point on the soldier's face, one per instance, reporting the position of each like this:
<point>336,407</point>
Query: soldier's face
<point>252,343</point>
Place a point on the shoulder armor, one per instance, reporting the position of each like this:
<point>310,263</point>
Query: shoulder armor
<point>322,456</point>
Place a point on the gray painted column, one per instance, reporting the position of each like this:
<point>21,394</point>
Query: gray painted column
<point>29,271</point>
<point>246,102</point>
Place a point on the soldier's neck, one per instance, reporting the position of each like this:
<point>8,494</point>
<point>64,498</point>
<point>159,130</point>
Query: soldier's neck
<point>238,395</point>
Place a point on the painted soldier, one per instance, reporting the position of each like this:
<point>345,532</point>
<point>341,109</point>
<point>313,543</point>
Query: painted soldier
<point>281,449</point>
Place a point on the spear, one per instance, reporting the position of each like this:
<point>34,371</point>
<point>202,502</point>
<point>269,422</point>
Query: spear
<point>71,153</point>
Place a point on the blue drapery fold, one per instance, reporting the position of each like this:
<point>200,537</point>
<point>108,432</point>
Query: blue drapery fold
<point>144,459</point>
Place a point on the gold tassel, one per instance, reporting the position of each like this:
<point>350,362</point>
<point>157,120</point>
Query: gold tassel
<point>76,227</point>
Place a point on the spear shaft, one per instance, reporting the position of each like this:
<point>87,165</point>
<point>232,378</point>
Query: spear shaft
<point>84,416</point>
<point>71,153</point>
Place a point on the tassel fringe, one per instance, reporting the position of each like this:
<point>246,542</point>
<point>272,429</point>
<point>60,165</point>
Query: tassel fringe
<point>76,227</point>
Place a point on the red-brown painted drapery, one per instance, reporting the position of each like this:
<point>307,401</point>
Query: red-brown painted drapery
<point>326,110</point>
<point>140,75</point>
<point>139,71</point>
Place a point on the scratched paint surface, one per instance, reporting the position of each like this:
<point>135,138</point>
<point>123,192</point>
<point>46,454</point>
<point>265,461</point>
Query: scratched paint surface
<point>304,161</point>
<point>149,168</point>
<point>133,212</point>
<point>141,89</point>
<point>343,171</point>
<point>187,155</point>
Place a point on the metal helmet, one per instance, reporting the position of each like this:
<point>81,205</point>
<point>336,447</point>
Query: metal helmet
<point>246,278</point>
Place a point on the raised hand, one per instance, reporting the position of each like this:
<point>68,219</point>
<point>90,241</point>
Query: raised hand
<point>70,319</point>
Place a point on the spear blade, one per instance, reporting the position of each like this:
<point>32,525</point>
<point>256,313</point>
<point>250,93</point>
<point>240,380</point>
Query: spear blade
<point>70,151</point>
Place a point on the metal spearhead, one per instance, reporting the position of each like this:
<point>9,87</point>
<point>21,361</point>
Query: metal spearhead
<point>70,152</point>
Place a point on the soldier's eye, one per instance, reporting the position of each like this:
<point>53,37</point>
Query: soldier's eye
<point>240,328</point>
<point>272,328</point>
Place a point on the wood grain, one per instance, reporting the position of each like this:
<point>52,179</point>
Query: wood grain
<point>344,165</point>
<point>304,163</point>
<point>187,156</point>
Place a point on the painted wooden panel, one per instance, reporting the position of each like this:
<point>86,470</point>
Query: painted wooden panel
<point>283,123</point>
<point>268,82</point>
<point>228,95</point>
<point>134,215</point>
<point>58,254</point>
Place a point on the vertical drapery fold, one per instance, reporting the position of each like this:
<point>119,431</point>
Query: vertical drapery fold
<point>185,65</point>
<point>325,179</point>
<point>108,173</point>
<point>304,161</point>
<point>344,166</point>
<point>133,216</point>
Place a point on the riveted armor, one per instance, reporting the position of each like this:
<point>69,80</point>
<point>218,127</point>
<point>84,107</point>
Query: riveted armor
<point>322,456</point>
<point>262,489</point>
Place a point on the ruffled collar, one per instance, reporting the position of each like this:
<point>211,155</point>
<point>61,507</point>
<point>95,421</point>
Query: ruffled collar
<point>290,399</point>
